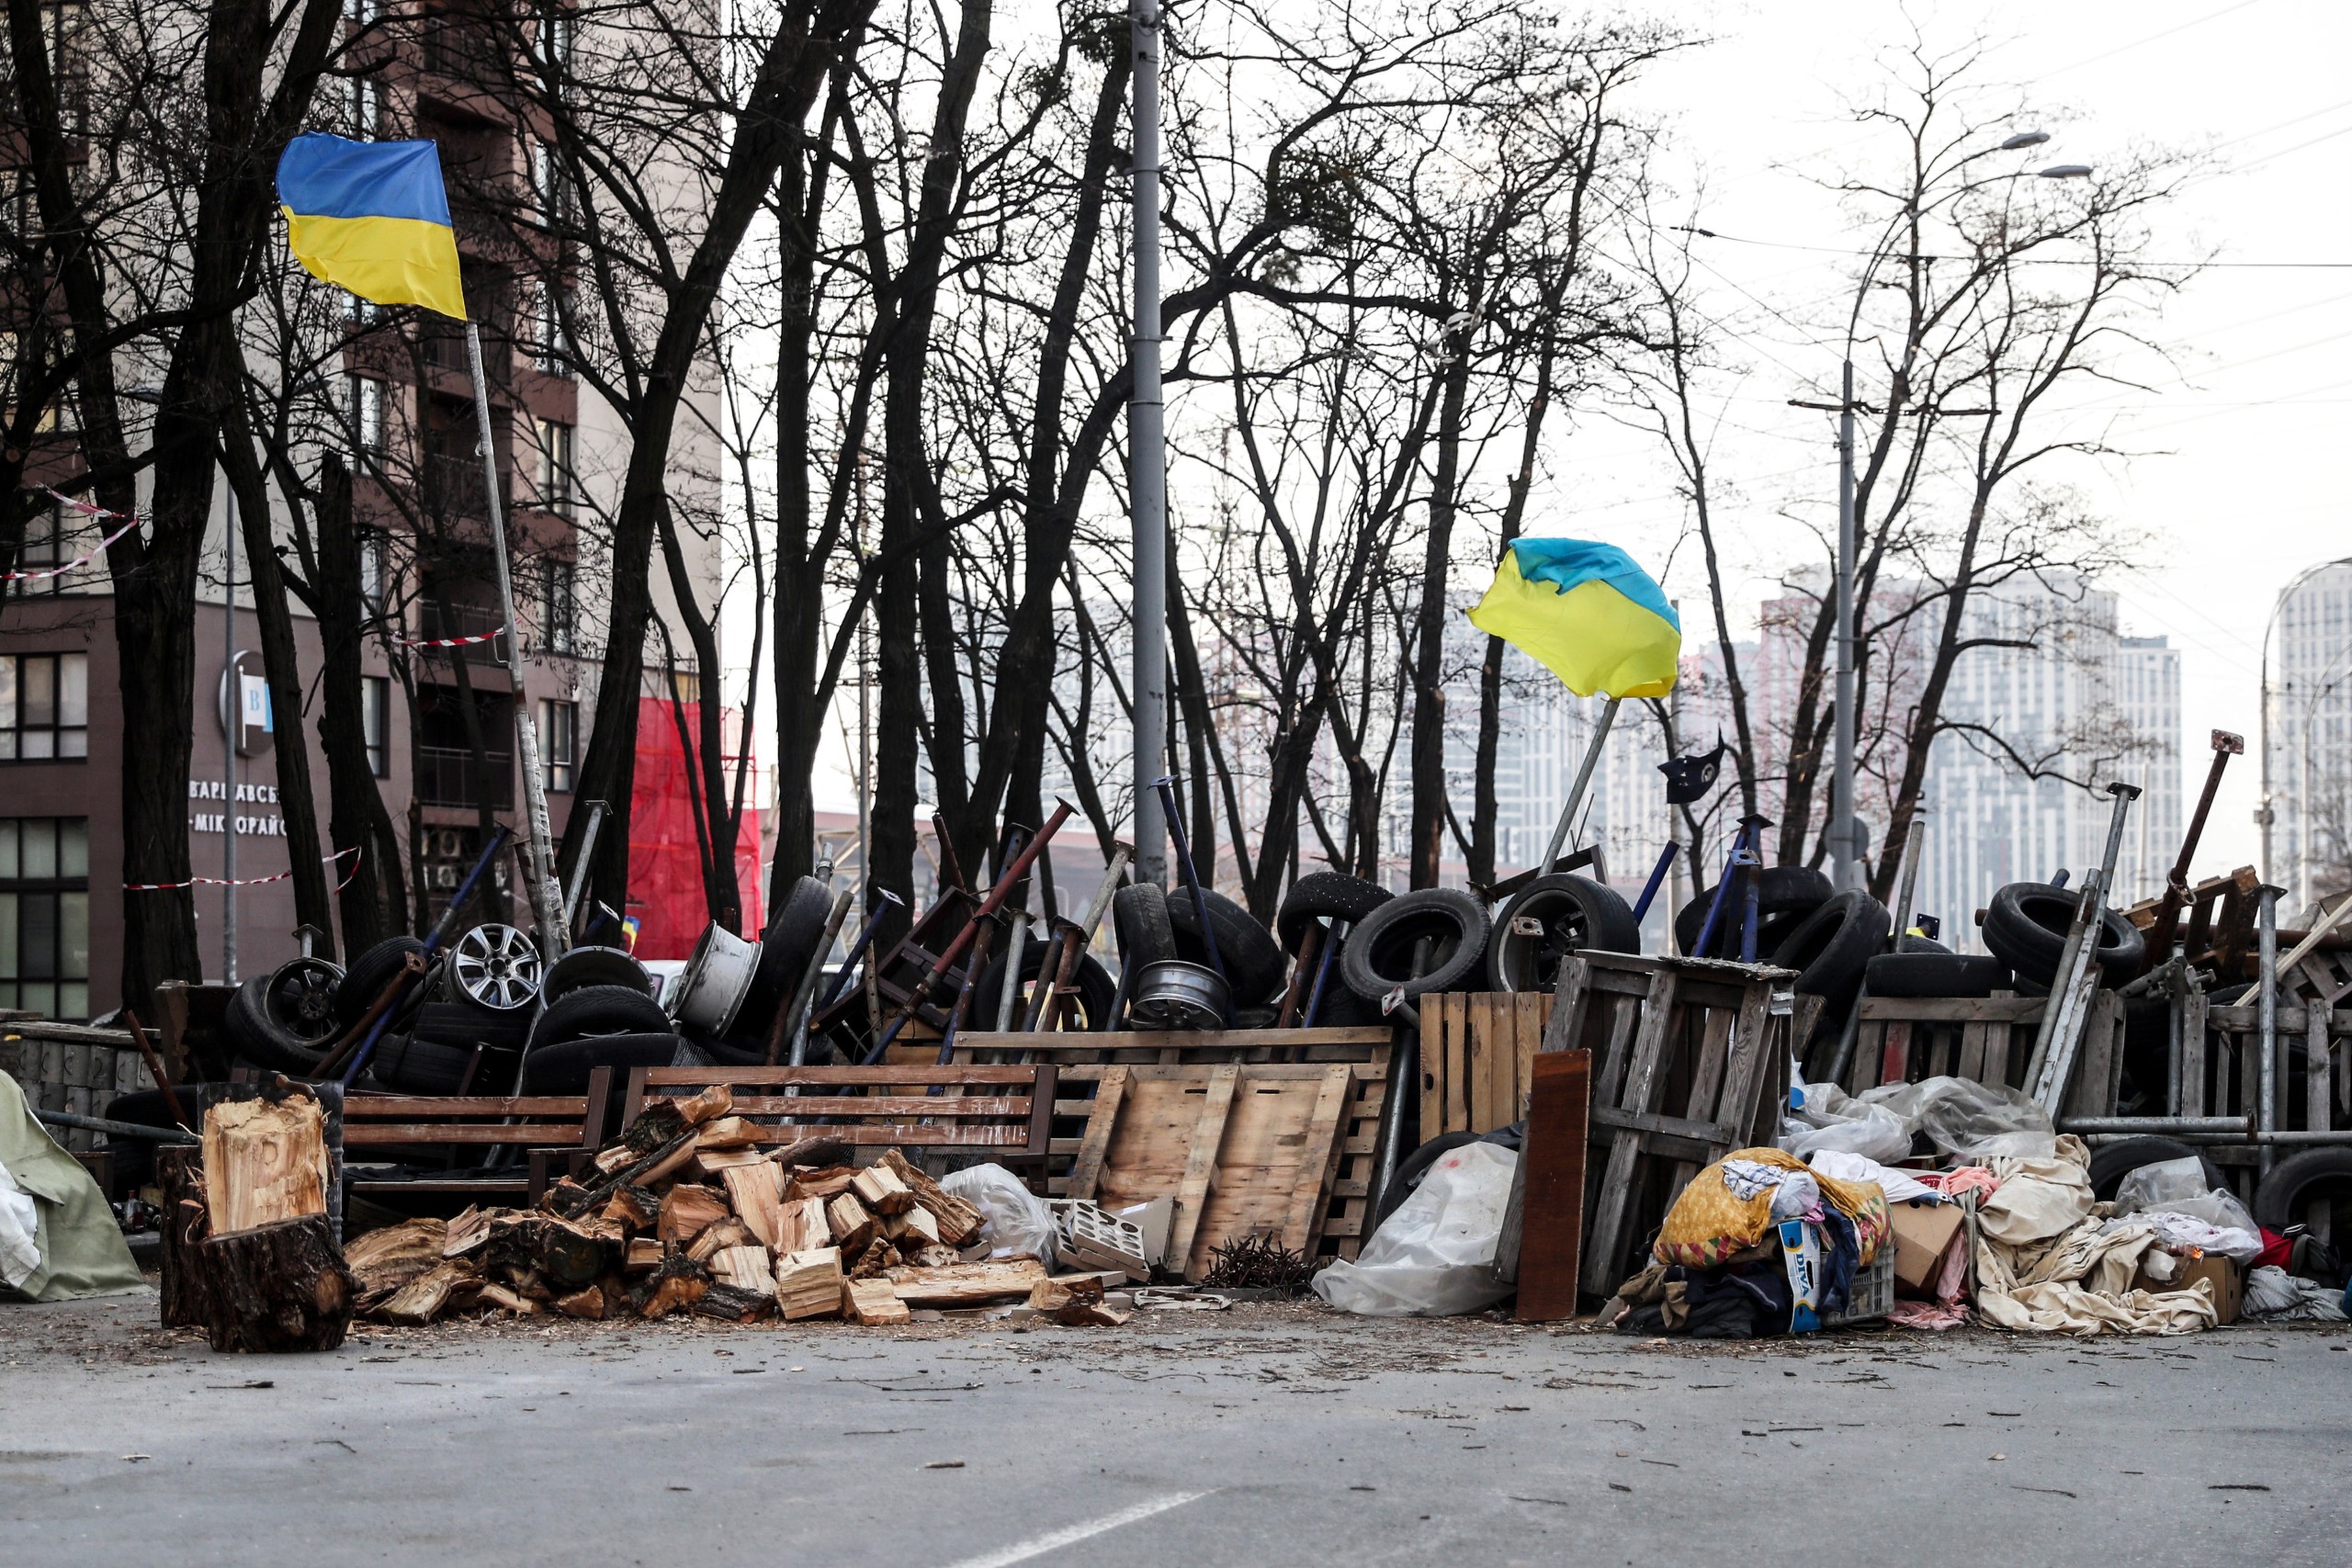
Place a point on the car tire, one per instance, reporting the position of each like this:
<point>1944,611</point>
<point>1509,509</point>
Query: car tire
<point>1379,955</point>
<point>465,1025</point>
<point>1325,894</point>
<point>1139,919</point>
<point>2026,923</point>
<point>2294,1182</point>
<point>585,966</point>
<point>1785,895</point>
<point>259,1038</point>
<point>368,975</point>
<point>1095,986</point>
<point>1575,913</point>
<point>412,1066</point>
<point>791,936</point>
<point>1830,949</point>
<point>1254,963</point>
<point>563,1067</point>
<point>1912,973</point>
<point>599,1009</point>
<point>2110,1163</point>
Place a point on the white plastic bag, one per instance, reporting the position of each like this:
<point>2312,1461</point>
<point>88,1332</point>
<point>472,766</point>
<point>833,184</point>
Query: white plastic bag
<point>2275,1294</point>
<point>1435,1255</point>
<point>1977,1122</point>
<point>1832,1118</point>
<point>1018,1220</point>
<point>2156,1186</point>
<point>19,1228</point>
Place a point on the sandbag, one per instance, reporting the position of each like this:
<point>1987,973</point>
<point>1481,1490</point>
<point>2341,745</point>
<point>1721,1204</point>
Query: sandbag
<point>1434,1257</point>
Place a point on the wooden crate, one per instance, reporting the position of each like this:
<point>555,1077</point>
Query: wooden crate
<point>1478,1055</point>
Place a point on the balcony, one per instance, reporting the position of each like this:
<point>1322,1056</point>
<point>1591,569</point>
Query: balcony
<point>440,619</point>
<point>445,776</point>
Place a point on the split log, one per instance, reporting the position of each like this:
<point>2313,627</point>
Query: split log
<point>808,1283</point>
<point>729,1133</point>
<point>746,1267</point>
<point>872,1302</point>
<point>733,1303</point>
<point>827,1181</point>
<point>179,1172</point>
<point>384,1260</point>
<point>967,1284</point>
<point>565,1197</point>
<point>644,1256</point>
<point>878,1259</point>
<point>662,1168</point>
<point>913,1228</point>
<point>508,1300</point>
<point>619,1154</point>
<point>709,1106</point>
<point>851,1226</point>
<point>588,1303</point>
<point>423,1298</point>
<point>680,1282</point>
<point>757,1192</point>
<point>935,1258</point>
<point>801,1224</point>
<point>959,1222</point>
<point>882,1190</point>
<point>278,1287</point>
<point>687,1210</point>
<point>656,1127</point>
<point>264,1162</point>
<point>567,1254</point>
<point>824,1149</point>
<point>715,1240</point>
<point>631,1208</point>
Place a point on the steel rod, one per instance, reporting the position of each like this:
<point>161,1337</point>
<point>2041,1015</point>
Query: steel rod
<point>1576,790</point>
<point>2266,1006</point>
<point>119,1129</point>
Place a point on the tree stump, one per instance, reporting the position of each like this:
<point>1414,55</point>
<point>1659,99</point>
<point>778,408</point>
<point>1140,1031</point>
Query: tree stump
<point>179,1172</point>
<point>279,1287</point>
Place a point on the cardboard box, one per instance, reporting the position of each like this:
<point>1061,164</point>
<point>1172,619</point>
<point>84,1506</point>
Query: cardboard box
<point>2221,1273</point>
<point>1922,1232</point>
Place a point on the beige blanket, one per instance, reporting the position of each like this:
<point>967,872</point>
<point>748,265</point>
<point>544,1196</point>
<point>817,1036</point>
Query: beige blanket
<point>2045,1264</point>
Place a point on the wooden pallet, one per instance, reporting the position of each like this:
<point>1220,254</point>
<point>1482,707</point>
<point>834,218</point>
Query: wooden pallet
<point>1477,1057</point>
<point>1690,1061</point>
<point>1989,1039</point>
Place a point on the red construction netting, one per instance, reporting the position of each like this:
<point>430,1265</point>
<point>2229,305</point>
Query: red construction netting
<point>664,865</point>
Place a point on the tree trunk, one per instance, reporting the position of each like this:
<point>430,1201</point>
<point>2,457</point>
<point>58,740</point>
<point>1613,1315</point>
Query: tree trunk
<point>180,1173</point>
<point>374,900</point>
<point>1428,752</point>
<point>277,1288</point>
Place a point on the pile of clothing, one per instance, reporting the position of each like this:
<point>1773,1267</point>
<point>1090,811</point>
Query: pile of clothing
<point>1759,1243</point>
<point>2052,1259</point>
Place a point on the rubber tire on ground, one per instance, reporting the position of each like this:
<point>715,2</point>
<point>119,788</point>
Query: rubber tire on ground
<point>1095,989</point>
<point>585,966</point>
<point>1254,963</point>
<point>1577,913</point>
<point>1935,975</point>
<point>2278,1201</point>
<point>2110,1163</point>
<point>1414,1167</point>
<point>257,1037</point>
<point>792,935</point>
<point>2018,930</point>
<point>428,1066</point>
<point>1330,894</point>
<point>563,1067</point>
<point>1380,951</point>
<point>368,975</point>
<point>1830,949</point>
<point>465,1024</point>
<point>1910,943</point>
<point>1139,920</point>
<point>1781,892</point>
<point>599,1009</point>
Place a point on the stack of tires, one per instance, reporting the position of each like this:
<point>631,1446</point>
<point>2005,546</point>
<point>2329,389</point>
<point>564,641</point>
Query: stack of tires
<point>794,933</point>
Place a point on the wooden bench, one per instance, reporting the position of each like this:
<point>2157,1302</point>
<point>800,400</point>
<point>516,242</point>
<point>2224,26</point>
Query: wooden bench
<point>1007,1111</point>
<point>549,1128</point>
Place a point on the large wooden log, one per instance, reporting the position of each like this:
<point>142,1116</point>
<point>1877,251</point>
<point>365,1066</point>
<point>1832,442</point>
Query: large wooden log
<point>265,1162</point>
<point>278,1287</point>
<point>179,1172</point>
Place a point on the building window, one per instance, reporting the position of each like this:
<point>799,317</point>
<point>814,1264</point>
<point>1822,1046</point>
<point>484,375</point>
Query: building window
<point>555,466</point>
<point>41,549</point>
<point>372,584</point>
<point>555,348</point>
<point>549,190</point>
<point>375,722</point>
<point>366,106</point>
<point>44,706</point>
<point>45,915</point>
<point>559,741</point>
<point>558,604</point>
<point>367,405</point>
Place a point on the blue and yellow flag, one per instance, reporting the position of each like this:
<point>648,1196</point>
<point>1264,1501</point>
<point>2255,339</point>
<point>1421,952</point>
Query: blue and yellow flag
<point>372,216</point>
<point>1585,613</point>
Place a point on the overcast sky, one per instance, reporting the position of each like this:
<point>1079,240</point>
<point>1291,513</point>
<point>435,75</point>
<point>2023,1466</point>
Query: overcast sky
<point>2240,479</point>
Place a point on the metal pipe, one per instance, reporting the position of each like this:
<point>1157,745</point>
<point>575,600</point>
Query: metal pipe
<point>547,899</point>
<point>1310,945</point>
<point>596,809</point>
<point>1575,790</point>
<point>1146,457</point>
<point>2061,1018</point>
<point>1846,855</point>
<point>233,700</point>
<point>2160,933</point>
<point>1336,933</point>
<point>2266,1011</point>
<point>2157,1126</point>
<point>1915,841</point>
<point>1009,995</point>
<point>1166,785</point>
<point>857,948</point>
<point>1077,938</point>
<point>118,1129</point>
<point>1658,875</point>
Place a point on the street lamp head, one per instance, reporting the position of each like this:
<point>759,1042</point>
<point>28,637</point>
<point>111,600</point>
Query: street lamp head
<point>2025,139</point>
<point>2064,171</point>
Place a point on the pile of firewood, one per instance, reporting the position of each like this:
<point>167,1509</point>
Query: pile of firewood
<point>686,1212</point>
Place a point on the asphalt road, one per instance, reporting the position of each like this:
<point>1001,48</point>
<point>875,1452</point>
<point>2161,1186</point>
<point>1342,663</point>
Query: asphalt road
<point>1267,1435</point>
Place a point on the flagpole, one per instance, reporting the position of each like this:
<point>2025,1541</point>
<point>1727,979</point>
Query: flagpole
<point>1575,792</point>
<point>546,900</point>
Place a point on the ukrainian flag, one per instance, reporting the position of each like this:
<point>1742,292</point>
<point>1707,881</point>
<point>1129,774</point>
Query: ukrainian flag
<point>372,216</point>
<point>1588,613</point>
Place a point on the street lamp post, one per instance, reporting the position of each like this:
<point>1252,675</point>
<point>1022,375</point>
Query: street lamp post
<point>1148,471</point>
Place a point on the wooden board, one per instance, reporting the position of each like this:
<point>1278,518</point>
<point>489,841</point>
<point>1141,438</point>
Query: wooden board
<point>1477,1051</point>
<point>1550,1195</point>
<point>1245,1149</point>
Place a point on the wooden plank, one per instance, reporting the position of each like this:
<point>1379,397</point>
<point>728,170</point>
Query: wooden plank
<point>2192,1054</point>
<point>1478,1040</point>
<point>1317,1153</point>
<point>1111,1090</point>
<point>1550,1193</point>
<point>1571,1007</point>
<point>1707,1075</point>
<point>1453,1012</point>
<point>1433,1071</point>
<point>1221,1040</point>
<point>544,1135</point>
<point>413,1107</point>
<point>1952,1009</point>
<point>1200,1164</point>
<point>2317,1092</point>
<point>1642,1074</point>
<point>1895,1053</point>
<point>1972,1037</point>
<point>1535,1008</point>
<point>953,1073</point>
<point>809,1107</point>
<point>1758,1064</point>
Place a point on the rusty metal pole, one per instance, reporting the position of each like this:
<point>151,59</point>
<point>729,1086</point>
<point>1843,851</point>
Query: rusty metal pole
<point>2160,932</point>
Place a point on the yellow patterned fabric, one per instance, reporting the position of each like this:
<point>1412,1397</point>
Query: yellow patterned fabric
<point>1709,1223</point>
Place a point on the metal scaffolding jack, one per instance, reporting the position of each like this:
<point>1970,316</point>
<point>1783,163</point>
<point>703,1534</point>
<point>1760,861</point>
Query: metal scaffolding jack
<point>2071,988</point>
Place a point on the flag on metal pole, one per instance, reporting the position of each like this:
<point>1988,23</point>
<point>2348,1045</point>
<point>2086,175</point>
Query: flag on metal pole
<point>372,218</point>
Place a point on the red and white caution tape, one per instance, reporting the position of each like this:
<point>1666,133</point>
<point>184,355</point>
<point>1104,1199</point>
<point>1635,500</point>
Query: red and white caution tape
<point>244,881</point>
<point>84,507</point>
<point>449,641</point>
